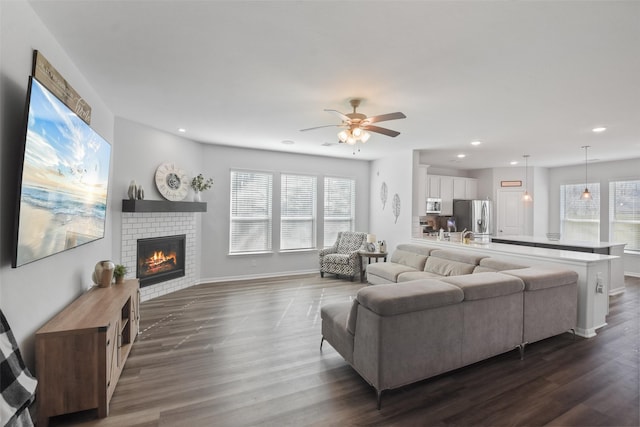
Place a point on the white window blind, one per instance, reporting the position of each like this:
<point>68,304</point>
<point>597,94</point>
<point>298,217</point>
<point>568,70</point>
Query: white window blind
<point>251,223</point>
<point>297,212</point>
<point>580,219</point>
<point>339,207</point>
<point>624,213</point>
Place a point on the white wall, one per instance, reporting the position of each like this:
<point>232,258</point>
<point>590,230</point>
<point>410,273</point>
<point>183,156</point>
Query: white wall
<point>397,172</point>
<point>219,160</point>
<point>138,153</point>
<point>30,295</point>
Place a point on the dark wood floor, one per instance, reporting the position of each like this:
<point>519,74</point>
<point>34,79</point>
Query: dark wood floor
<point>247,353</point>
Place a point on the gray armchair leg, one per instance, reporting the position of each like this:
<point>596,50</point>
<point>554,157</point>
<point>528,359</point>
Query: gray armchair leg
<point>321,342</point>
<point>573,331</point>
<point>379,395</point>
<point>322,274</point>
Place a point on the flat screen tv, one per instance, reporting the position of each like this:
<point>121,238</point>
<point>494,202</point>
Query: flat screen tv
<point>62,199</point>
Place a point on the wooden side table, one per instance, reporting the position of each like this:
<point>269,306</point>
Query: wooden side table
<point>366,254</point>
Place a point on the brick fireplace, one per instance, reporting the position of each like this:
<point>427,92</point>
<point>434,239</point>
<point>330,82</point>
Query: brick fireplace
<point>147,225</point>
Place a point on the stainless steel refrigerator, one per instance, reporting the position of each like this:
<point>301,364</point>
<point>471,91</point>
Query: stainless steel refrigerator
<point>475,216</point>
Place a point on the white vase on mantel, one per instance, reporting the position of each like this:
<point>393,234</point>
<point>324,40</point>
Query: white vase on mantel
<point>196,196</point>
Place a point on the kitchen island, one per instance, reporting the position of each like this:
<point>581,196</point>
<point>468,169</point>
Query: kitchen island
<point>616,273</point>
<point>593,272</point>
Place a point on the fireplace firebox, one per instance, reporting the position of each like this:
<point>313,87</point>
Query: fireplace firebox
<point>160,259</point>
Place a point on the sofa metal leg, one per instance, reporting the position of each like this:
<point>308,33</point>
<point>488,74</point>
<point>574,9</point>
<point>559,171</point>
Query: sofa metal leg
<point>379,396</point>
<point>521,349</point>
<point>573,332</point>
<point>321,342</point>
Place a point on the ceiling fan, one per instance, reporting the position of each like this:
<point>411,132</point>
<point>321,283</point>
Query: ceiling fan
<point>356,126</point>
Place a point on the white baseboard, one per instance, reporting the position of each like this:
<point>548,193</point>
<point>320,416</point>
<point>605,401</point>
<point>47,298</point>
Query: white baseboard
<point>632,274</point>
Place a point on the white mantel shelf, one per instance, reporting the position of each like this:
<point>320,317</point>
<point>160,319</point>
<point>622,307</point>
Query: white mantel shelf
<point>162,206</point>
<point>593,270</point>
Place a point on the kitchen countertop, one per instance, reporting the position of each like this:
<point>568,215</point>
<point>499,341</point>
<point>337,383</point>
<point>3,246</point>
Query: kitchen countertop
<point>561,242</point>
<point>530,251</point>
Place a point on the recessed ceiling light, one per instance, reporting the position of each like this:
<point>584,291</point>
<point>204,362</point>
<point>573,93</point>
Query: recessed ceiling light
<point>462,156</point>
<point>599,129</point>
<point>513,163</point>
<point>182,130</point>
<point>288,142</point>
<point>476,142</point>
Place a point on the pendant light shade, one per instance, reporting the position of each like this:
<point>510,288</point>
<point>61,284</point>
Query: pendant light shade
<point>526,197</point>
<point>586,195</point>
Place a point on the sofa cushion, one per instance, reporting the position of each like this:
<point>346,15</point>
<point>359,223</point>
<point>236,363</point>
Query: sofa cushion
<point>486,285</point>
<point>416,275</point>
<point>410,259</point>
<point>419,249</point>
<point>448,263</point>
<point>492,264</point>
<point>391,299</point>
<point>337,259</point>
<point>387,270</point>
<point>536,278</point>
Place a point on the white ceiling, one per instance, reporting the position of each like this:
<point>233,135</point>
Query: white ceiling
<point>522,77</point>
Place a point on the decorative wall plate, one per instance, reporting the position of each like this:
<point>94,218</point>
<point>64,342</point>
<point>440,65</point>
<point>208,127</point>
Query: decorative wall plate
<point>172,182</point>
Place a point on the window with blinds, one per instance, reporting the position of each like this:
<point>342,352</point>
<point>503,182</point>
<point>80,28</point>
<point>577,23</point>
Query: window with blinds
<point>339,207</point>
<point>297,212</point>
<point>251,222</point>
<point>580,219</point>
<point>624,213</point>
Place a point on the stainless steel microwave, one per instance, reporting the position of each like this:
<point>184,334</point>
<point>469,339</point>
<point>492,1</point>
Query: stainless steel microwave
<point>434,205</point>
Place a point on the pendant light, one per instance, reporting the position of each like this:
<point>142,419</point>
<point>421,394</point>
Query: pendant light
<point>586,195</point>
<point>526,197</point>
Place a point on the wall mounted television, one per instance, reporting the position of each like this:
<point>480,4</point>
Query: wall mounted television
<point>63,185</point>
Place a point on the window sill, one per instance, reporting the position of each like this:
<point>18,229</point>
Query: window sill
<point>250,253</point>
<point>294,251</point>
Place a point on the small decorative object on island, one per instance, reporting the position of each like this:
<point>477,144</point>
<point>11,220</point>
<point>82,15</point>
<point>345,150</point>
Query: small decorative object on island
<point>200,184</point>
<point>119,272</point>
<point>103,273</point>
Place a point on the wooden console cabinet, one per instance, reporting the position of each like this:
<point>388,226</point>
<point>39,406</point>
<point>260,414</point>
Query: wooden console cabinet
<point>80,353</point>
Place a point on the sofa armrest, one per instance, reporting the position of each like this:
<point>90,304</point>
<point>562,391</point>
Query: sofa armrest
<point>326,251</point>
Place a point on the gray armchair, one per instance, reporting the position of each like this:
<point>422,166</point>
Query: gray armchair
<point>342,258</point>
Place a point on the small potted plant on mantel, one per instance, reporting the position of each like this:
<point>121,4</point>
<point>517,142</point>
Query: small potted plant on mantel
<point>200,184</point>
<point>119,272</point>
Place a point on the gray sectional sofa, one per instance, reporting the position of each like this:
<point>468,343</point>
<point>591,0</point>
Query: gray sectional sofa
<point>446,313</point>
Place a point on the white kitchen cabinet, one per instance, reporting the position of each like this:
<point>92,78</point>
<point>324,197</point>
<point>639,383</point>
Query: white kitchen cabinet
<point>471,188</point>
<point>459,188</point>
<point>446,194</point>
<point>433,186</point>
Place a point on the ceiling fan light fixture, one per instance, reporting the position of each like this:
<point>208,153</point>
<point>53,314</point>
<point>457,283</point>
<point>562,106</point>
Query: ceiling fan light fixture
<point>343,135</point>
<point>356,132</point>
<point>365,136</point>
<point>351,140</point>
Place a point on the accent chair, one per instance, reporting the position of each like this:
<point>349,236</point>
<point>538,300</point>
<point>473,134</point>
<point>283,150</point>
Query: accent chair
<point>342,258</point>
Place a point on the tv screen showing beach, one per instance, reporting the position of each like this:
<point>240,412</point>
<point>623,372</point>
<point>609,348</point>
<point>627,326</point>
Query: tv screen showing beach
<point>65,174</point>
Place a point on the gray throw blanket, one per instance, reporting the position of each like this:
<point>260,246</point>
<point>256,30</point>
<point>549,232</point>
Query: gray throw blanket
<point>17,385</point>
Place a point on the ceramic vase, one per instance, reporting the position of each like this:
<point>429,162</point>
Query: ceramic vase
<point>196,196</point>
<point>133,190</point>
<point>103,273</point>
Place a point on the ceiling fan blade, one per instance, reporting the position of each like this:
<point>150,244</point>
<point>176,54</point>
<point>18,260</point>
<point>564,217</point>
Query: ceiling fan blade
<point>319,127</point>
<point>385,117</point>
<point>344,117</point>
<point>384,131</point>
